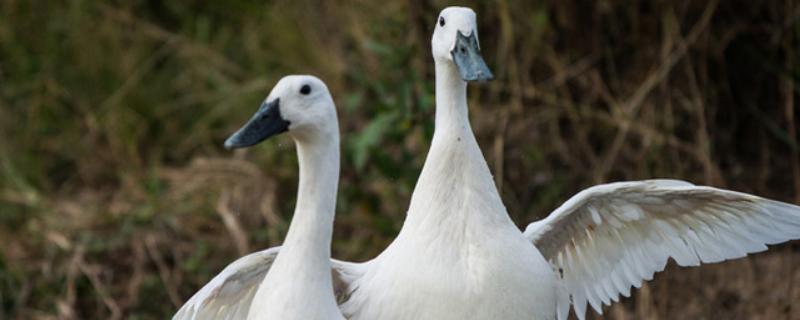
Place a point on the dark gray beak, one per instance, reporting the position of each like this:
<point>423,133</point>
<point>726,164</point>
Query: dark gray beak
<point>265,123</point>
<point>467,57</point>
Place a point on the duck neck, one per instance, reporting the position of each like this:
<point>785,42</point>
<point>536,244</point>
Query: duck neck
<point>455,187</point>
<point>452,115</point>
<point>306,249</point>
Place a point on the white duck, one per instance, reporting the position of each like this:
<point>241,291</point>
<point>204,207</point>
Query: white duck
<point>299,283</point>
<point>459,256</point>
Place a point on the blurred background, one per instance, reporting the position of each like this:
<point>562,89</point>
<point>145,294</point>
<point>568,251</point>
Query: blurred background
<point>117,199</point>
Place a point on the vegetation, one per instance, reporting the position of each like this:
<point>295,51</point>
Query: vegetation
<point>117,199</point>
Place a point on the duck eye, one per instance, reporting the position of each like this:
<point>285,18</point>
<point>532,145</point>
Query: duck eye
<point>305,89</point>
<point>441,21</point>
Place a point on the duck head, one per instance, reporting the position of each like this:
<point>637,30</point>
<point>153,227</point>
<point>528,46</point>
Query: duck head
<point>298,104</point>
<point>455,40</point>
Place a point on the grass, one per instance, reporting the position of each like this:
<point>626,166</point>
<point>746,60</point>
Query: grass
<point>118,201</point>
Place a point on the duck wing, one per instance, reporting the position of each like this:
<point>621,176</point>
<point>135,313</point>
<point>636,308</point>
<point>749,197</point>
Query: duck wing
<point>610,237</point>
<point>229,294</point>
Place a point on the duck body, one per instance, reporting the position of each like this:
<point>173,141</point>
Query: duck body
<point>458,255</point>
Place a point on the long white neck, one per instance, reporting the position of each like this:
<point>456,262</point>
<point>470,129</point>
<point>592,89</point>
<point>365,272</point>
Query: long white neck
<point>451,102</point>
<point>455,186</point>
<point>306,250</point>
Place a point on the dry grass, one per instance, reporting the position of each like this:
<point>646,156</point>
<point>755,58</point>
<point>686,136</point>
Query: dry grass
<point>117,201</point>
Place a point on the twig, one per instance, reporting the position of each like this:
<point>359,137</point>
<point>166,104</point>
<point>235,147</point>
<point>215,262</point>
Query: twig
<point>66,306</point>
<point>232,224</point>
<point>152,250</point>
<point>506,41</point>
<point>788,92</point>
<point>712,172</point>
<point>135,280</point>
<point>631,105</point>
<point>91,273</point>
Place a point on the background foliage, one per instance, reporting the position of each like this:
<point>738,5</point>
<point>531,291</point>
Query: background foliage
<point>117,200</point>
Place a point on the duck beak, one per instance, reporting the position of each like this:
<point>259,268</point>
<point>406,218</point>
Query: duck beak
<point>265,123</point>
<point>467,57</point>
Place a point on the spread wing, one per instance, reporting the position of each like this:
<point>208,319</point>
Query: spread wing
<point>610,237</point>
<point>229,294</point>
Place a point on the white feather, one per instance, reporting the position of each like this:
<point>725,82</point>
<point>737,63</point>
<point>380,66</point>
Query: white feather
<point>647,222</point>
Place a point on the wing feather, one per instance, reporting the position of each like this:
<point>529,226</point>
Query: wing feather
<point>230,294</point>
<point>610,237</point>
